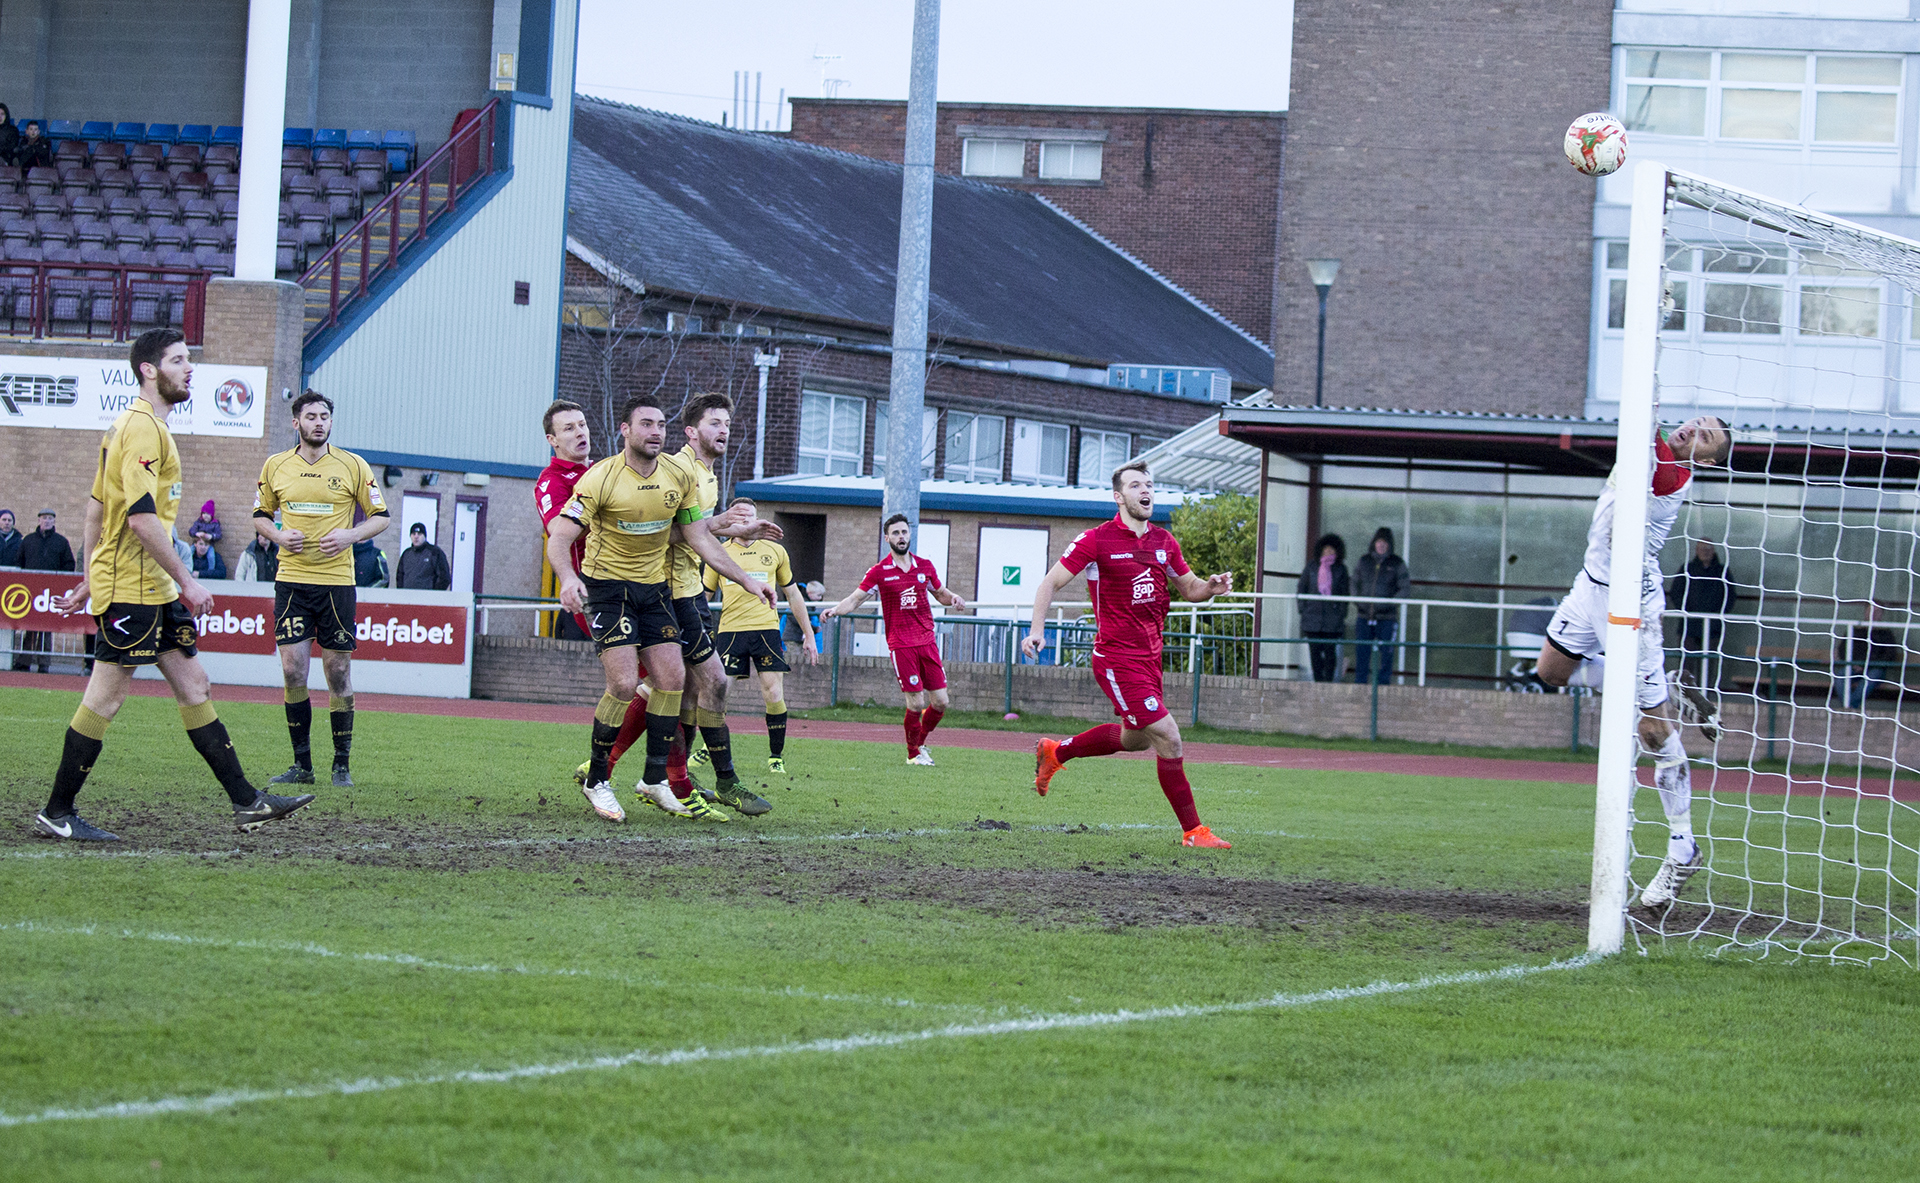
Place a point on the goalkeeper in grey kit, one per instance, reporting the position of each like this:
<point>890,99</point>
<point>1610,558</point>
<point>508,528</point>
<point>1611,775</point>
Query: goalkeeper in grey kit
<point>1575,648</point>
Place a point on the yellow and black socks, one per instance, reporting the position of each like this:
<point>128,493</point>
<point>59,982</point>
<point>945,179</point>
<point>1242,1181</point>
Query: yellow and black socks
<point>663,723</point>
<point>606,730</point>
<point>85,736</point>
<point>300,727</point>
<point>209,736</point>
<point>713,729</point>
<point>340,714</point>
<point>776,728</point>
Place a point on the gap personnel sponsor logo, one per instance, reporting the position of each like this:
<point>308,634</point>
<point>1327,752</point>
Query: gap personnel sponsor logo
<point>315,507</point>
<point>227,622</point>
<point>38,390</point>
<point>626,527</point>
<point>1144,586</point>
<point>394,631</point>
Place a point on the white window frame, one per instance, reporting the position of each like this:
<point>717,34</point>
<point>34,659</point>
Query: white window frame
<point>959,422</point>
<point>1030,439</point>
<point>929,438</point>
<point>984,156</point>
<point>1075,165</point>
<point>1809,89</point>
<point>831,459</point>
<point>1687,275</point>
<point>1099,474</point>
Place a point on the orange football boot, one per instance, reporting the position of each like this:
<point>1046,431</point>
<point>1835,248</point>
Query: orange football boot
<point>1201,836</point>
<point>1045,764</point>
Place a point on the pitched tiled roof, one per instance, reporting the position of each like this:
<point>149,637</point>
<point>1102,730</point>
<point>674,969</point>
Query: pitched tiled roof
<point>767,222</point>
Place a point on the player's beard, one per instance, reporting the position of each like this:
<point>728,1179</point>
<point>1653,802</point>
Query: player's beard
<point>316,439</point>
<point>1133,511</point>
<point>643,449</point>
<point>169,393</point>
<point>899,548</point>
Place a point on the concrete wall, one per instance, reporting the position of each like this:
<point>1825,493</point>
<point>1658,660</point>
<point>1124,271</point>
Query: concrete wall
<point>1200,206</point>
<point>374,63</point>
<point>1424,153</point>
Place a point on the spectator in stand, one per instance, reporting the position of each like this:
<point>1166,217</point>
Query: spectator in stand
<point>1703,586</point>
<point>207,563</point>
<point>34,150</point>
<point>1324,622</point>
<point>10,540</point>
<point>207,523</point>
<point>1383,574</point>
<point>369,564</point>
<point>259,563</point>
<point>46,549</point>
<point>423,566</point>
<point>9,135</point>
<point>1872,655</point>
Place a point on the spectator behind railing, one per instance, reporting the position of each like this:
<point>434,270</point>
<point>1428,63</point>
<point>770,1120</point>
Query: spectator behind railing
<point>9,135</point>
<point>34,150</point>
<point>46,549</point>
<point>259,563</point>
<point>10,540</point>
<point>207,563</point>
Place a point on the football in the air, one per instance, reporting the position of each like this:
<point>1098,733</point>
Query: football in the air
<point>1596,144</point>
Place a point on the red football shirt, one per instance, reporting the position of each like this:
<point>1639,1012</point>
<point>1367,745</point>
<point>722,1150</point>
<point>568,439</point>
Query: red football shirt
<point>1131,598</point>
<point>906,599</point>
<point>552,492</point>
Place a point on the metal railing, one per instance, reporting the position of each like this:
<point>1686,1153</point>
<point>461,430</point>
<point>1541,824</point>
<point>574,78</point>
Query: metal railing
<point>101,301</point>
<point>404,217</point>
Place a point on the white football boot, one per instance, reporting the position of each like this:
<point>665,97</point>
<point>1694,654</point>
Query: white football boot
<point>604,803</point>
<point>1670,878</point>
<point>662,795</point>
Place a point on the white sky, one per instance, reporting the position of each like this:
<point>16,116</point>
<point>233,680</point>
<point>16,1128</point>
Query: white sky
<point>1217,54</point>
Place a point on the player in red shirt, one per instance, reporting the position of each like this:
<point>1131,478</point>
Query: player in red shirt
<point>908,585</point>
<point>1135,564</point>
<point>572,443</point>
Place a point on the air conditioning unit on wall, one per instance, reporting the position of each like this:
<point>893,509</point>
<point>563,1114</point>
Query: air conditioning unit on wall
<point>1204,384</point>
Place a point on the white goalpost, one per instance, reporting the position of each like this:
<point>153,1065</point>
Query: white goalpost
<point>1802,331</point>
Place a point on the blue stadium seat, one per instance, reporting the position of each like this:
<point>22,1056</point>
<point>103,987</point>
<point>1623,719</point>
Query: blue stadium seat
<point>330,137</point>
<point>62,129</point>
<point>128,133</point>
<point>362,137</point>
<point>227,134</point>
<point>194,133</point>
<point>297,137</point>
<point>400,146</point>
<point>98,129</point>
<point>157,133</point>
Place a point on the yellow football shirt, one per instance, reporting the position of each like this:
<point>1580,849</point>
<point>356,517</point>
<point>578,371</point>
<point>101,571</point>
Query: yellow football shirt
<point>629,518</point>
<point>139,472</point>
<point>685,563</point>
<point>741,611</point>
<point>316,499</point>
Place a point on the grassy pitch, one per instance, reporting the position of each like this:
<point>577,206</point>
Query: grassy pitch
<point>454,970</point>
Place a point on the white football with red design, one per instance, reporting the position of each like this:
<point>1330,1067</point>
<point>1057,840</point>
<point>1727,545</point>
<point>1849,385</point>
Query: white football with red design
<point>1596,144</point>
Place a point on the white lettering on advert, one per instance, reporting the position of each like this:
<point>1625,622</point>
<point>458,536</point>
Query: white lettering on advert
<point>394,631</point>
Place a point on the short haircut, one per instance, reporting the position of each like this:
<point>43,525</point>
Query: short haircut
<point>888,524</point>
<point>635,402</point>
<point>741,501</point>
<point>149,347</point>
<point>698,406</point>
<point>309,397</point>
<point>1726,442</point>
<point>560,406</point>
<point>1120,473</point>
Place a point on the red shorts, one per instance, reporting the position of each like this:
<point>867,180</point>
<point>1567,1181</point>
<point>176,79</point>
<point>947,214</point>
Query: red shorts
<point>918,668</point>
<point>1134,689</point>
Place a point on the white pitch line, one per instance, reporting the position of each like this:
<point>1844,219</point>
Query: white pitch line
<point>410,961</point>
<point>216,1102</point>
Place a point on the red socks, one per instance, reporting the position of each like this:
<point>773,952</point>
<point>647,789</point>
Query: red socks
<point>633,729</point>
<point>1173,782</point>
<point>1103,740</point>
<point>929,719</point>
<point>914,734</point>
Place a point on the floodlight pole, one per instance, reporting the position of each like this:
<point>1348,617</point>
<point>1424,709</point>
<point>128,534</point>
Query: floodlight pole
<point>907,391</point>
<point>763,362</point>
<point>1322,272</point>
<point>263,122</point>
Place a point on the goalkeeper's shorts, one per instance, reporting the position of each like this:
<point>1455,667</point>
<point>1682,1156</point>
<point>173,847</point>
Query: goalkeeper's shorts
<point>1579,630</point>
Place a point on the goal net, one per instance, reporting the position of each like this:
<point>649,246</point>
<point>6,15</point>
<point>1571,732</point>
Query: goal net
<point>1802,331</point>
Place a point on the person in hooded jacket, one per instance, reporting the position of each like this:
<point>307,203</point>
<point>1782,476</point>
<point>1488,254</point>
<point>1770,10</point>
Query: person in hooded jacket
<point>1381,574</point>
<point>1324,622</point>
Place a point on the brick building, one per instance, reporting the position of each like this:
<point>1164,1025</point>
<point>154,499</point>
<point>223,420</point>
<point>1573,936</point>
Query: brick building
<point>1193,194</point>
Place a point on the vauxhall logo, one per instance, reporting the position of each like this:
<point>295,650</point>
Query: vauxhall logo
<point>37,390</point>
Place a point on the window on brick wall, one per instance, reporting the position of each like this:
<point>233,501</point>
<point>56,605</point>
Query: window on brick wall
<point>1069,160</point>
<point>974,446</point>
<point>993,158</point>
<point>832,429</point>
<point>929,438</point>
<point>1040,452</point>
<point>1100,453</point>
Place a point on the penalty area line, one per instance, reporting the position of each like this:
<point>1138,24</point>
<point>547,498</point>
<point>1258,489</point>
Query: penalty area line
<point>217,1102</point>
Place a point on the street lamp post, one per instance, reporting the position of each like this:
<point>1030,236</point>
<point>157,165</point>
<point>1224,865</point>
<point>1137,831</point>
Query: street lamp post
<point>1322,272</point>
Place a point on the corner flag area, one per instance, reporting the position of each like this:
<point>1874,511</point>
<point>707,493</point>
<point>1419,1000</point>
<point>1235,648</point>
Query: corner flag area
<point>906,971</point>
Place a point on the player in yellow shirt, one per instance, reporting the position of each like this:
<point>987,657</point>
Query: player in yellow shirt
<point>314,488</point>
<point>749,635</point>
<point>706,421</point>
<point>144,599</point>
<point>631,507</point>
